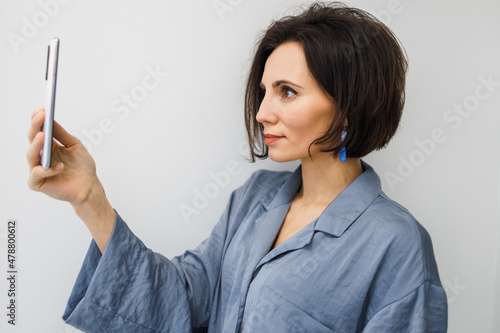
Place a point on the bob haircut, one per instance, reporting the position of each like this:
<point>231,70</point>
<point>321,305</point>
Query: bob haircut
<point>355,59</point>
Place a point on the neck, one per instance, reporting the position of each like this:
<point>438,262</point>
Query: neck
<point>325,177</point>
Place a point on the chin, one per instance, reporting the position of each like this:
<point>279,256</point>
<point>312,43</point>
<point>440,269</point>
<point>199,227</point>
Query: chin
<point>281,158</point>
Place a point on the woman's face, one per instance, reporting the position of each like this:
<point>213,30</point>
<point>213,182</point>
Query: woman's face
<point>295,111</point>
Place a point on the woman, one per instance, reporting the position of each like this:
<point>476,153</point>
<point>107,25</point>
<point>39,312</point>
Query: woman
<point>321,249</point>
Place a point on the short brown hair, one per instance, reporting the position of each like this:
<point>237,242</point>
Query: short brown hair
<point>355,58</point>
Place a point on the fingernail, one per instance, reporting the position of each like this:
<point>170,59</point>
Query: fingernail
<point>58,167</point>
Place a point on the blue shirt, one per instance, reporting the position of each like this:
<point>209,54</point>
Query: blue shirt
<point>364,265</point>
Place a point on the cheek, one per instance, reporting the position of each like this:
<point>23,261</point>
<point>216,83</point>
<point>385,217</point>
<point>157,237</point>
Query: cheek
<point>311,125</point>
<point>299,118</point>
<point>308,119</point>
<point>321,119</point>
<point>300,130</point>
<point>293,122</point>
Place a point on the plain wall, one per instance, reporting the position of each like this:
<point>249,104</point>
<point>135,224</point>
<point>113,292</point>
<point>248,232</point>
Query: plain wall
<point>177,139</point>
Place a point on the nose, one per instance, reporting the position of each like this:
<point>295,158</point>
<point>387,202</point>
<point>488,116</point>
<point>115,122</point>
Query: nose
<point>266,113</point>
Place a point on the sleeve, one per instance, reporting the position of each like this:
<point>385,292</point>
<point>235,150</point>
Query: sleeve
<point>410,295</point>
<point>130,288</point>
<point>424,310</point>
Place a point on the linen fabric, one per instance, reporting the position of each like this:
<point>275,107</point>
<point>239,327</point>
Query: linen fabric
<point>364,265</point>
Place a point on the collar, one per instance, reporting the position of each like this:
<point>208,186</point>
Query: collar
<point>343,210</point>
<point>283,195</point>
<point>350,203</point>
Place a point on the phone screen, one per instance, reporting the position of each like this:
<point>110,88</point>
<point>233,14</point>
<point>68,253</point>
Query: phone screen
<point>51,78</point>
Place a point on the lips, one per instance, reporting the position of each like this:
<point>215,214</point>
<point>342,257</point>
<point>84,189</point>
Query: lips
<point>270,138</point>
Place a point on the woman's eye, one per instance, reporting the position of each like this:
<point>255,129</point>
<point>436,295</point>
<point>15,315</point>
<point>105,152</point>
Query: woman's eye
<point>287,92</point>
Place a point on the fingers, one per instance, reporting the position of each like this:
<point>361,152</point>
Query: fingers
<point>38,175</point>
<point>33,115</point>
<point>59,133</point>
<point>36,123</point>
<point>34,150</point>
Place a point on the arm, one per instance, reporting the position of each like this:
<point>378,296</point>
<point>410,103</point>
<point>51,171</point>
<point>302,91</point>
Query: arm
<point>71,178</point>
<point>422,310</point>
<point>123,286</point>
<point>409,294</point>
<point>130,288</point>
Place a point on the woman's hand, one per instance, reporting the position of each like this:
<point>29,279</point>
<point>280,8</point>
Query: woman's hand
<point>72,177</point>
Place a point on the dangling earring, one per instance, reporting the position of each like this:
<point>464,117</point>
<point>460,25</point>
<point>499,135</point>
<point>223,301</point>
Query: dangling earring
<point>343,154</point>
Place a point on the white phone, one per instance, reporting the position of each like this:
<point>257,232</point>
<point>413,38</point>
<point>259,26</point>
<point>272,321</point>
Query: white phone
<point>48,124</point>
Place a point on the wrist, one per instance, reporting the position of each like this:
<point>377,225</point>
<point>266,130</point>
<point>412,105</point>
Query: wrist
<point>97,214</point>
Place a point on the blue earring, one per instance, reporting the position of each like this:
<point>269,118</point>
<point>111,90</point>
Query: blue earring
<point>343,154</point>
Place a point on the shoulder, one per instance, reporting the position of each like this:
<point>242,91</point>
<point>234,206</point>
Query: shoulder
<point>399,249</point>
<point>249,202</point>
<point>260,188</point>
<point>391,217</point>
<point>402,236</point>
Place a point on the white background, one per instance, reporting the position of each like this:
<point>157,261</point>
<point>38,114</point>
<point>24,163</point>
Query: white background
<point>153,160</point>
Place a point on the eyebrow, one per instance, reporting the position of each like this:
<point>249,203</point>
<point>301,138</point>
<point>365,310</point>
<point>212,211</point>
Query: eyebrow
<point>280,82</point>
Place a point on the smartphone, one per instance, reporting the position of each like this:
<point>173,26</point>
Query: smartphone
<point>48,124</point>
